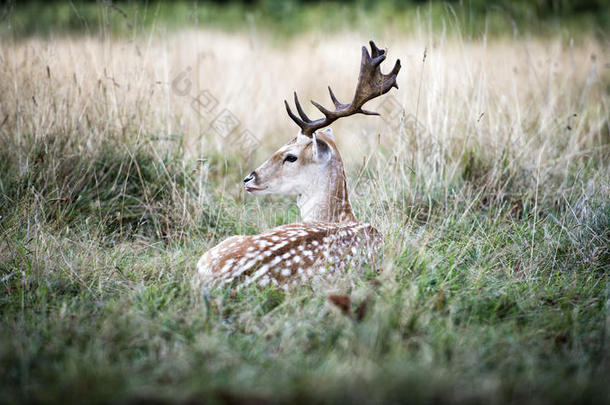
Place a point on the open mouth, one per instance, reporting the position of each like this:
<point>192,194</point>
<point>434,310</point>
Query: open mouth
<point>250,189</point>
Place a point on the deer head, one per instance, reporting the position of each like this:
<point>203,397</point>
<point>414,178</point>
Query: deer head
<point>310,165</point>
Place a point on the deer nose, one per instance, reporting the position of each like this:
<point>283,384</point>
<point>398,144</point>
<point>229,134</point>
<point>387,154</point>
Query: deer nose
<point>249,177</point>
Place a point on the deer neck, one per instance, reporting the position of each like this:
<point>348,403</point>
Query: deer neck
<point>327,200</point>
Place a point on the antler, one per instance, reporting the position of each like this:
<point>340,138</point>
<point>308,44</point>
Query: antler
<point>371,83</point>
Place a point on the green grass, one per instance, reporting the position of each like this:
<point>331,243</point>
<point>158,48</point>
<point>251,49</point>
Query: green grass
<point>482,299</point>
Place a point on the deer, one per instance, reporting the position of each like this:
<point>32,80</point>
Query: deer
<point>309,166</point>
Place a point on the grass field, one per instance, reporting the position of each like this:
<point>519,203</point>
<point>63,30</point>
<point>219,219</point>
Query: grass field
<point>489,176</point>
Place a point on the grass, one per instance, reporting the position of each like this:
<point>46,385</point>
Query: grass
<point>489,179</point>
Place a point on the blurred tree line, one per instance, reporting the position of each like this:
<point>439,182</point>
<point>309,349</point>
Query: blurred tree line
<point>541,8</point>
<point>26,17</point>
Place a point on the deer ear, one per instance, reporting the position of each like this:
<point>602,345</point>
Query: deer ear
<point>321,150</point>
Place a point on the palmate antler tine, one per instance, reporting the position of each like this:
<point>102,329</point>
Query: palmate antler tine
<point>377,61</point>
<point>376,51</point>
<point>396,68</point>
<point>371,83</point>
<point>365,59</point>
<point>391,77</point>
<point>391,82</point>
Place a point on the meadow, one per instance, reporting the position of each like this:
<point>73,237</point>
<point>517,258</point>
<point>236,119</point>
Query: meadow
<point>488,174</point>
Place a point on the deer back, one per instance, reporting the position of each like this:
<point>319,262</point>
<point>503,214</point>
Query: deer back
<point>288,255</point>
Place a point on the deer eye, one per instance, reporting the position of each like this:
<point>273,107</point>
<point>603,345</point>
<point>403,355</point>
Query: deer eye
<point>290,158</point>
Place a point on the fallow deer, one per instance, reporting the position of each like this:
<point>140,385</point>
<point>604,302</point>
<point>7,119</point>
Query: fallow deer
<point>310,167</point>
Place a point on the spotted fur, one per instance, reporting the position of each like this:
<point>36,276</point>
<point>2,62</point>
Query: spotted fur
<point>288,255</point>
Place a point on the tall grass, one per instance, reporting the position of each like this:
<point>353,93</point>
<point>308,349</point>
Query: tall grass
<point>489,178</point>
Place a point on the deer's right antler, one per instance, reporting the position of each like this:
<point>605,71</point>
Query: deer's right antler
<point>371,83</point>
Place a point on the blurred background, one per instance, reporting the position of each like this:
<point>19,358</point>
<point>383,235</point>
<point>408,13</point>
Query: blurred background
<point>127,126</point>
<point>473,18</point>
